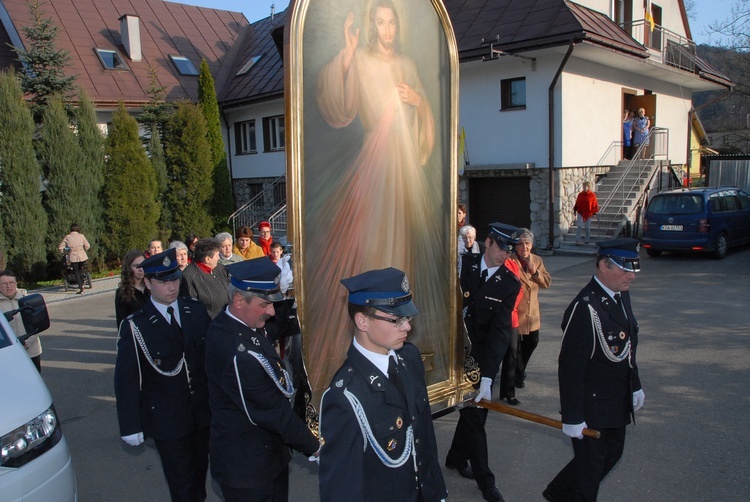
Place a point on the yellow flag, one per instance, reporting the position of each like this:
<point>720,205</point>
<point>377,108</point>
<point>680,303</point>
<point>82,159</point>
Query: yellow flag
<point>462,153</point>
<point>648,15</point>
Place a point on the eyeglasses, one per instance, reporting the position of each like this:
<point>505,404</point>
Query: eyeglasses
<point>397,321</point>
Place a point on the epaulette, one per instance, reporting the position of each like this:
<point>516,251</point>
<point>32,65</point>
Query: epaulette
<point>342,378</point>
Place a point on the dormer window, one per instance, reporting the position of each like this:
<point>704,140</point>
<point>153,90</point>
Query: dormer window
<point>184,65</point>
<point>249,65</point>
<point>110,59</point>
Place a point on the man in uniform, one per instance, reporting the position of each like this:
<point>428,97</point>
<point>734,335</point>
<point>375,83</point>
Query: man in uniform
<point>253,426</point>
<point>160,379</point>
<point>375,421</point>
<point>490,293</point>
<point>599,384</point>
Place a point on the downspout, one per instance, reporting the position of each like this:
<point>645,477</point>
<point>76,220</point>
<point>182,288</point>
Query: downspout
<point>551,143</point>
<point>694,111</point>
<point>229,156</point>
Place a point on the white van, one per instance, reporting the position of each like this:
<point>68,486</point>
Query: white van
<point>35,465</point>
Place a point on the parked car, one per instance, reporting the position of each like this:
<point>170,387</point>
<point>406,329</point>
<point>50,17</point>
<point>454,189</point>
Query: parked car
<point>701,219</point>
<point>35,464</point>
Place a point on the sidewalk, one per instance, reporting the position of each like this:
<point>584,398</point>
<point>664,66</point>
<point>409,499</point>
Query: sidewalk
<point>56,294</point>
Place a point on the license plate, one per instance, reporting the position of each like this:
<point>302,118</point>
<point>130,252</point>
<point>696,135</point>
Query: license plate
<point>673,228</point>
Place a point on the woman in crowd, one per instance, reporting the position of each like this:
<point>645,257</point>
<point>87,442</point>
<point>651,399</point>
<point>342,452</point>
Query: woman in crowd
<point>533,276</point>
<point>77,246</point>
<point>627,135</point>
<point>264,237</point>
<point>641,126</point>
<point>182,253</point>
<point>226,256</point>
<point>245,246</point>
<point>190,241</point>
<point>9,296</point>
<point>131,294</point>
<point>206,279</point>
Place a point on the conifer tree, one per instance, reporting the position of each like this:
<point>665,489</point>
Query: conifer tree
<point>222,203</point>
<point>60,157</point>
<point>90,175</point>
<point>43,62</point>
<point>24,221</point>
<point>130,189</point>
<point>153,118</point>
<point>189,169</point>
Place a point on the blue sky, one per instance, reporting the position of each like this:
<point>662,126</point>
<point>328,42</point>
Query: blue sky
<point>705,12</point>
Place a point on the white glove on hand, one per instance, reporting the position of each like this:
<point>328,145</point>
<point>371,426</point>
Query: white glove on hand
<point>574,430</point>
<point>485,390</point>
<point>638,399</point>
<point>134,439</point>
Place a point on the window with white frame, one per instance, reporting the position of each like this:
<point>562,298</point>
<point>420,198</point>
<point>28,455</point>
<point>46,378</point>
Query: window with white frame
<point>273,133</point>
<point>513,93</point>
<point>244,136</point>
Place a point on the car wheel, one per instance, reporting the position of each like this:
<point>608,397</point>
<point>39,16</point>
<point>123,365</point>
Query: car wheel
<point>653,253</point>
<point>720,251</point>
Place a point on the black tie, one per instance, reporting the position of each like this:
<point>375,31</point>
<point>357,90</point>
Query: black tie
<point>618,301</point>
<point>393,375</point>
<point>484,275</point>
<point>175,325</point>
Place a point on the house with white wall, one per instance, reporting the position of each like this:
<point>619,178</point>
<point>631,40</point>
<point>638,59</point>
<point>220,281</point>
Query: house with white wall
<point>543,86</point>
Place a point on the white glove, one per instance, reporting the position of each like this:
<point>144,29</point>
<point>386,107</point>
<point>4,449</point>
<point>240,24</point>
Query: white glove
<point>485,390</point>
<point>315,457</point>
<point>638,398</point>
<point>134,439</point>
<point>574,430</point>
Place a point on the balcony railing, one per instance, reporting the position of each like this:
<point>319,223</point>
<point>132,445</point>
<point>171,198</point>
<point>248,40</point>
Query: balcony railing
<point>666,46</point>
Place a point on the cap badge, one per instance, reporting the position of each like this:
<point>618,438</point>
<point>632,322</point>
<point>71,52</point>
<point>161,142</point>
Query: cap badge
<point>166,261</point>
<point>277,280</point>
<point>240,348</point>
<point>638,248</point>
<point>405,284</point>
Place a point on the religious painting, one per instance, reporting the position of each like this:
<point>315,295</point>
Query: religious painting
<point>372,91</point>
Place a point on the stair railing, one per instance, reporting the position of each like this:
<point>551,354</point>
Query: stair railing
<point>267,201</point>
<point>630,182</point>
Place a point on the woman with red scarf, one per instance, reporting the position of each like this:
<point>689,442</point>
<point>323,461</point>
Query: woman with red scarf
<point>264,237</point>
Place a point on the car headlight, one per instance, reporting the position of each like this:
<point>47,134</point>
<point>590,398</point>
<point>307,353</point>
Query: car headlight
<point>22,445</point>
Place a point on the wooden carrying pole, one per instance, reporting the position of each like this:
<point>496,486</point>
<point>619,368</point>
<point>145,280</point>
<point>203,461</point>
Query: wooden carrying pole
<point>532,417</point>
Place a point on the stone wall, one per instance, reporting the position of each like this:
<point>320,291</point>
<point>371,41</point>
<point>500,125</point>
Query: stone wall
<point>568,184</point>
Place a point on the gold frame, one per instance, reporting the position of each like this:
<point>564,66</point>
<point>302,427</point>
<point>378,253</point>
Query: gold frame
<point>457,385</point>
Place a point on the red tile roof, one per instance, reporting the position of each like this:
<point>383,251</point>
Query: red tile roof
<point>166,28</point>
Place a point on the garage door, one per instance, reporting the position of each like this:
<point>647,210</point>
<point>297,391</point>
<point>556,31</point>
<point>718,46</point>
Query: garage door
<point>506,200</point>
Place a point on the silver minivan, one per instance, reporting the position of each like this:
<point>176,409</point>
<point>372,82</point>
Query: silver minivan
<point>35,465</point>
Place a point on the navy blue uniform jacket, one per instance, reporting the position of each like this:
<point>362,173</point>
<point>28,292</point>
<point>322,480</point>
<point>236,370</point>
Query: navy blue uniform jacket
<point>253,425</point>
<point>162,407</point>
<point>488,308</point>
<point>593,387</point>
<point>349,468</point>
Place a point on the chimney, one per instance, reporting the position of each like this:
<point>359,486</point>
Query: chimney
<point>130,33</point>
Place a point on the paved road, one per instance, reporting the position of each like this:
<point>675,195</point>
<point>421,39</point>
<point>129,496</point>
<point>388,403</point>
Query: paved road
<point>690,442</point>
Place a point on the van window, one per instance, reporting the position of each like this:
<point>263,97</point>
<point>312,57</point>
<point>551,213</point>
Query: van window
<point>744,200</point>
<point>676,204</point>
<point>730,201</point>
<point>714,203</point>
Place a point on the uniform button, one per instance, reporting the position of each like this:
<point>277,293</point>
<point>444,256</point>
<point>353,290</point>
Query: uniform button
<point>416,441</point>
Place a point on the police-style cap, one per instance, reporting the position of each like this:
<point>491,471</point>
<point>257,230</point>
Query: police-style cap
<point>623,252</point>
<point>505,236</point>
<point>386,290</point>
<point>162,266</point>
<point>259,276</point>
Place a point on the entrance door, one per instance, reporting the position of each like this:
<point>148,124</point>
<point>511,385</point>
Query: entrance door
<point>648,103</point>
<point>506,200</point>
